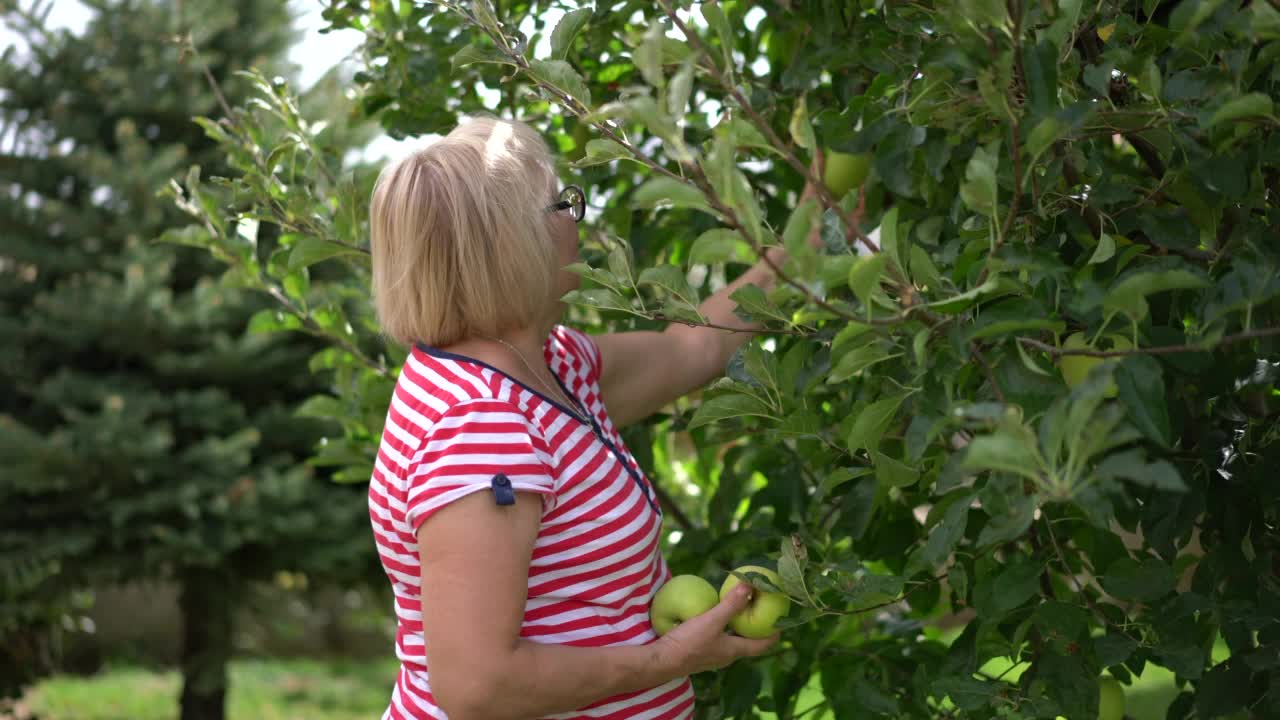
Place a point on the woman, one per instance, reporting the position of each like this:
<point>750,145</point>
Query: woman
<point>519,534</point>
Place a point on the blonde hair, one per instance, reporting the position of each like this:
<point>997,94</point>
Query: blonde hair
<point>457,231</point>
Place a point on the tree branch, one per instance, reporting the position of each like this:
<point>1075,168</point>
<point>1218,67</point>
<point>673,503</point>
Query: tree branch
<point>1157,350</point>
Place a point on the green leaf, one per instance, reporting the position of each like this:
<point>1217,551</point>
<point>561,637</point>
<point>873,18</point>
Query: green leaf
<point>671,279</point>
<point>665,190</point>
<point>761,365</point>
<point>752,299</point>
<point>893,473</point>
<point>473,54</point>
<point>1045,134</point>
<point>310,250</point>
<point>865,274</point>
<point>1253,105</point>
<point>598,297</point>
<point>889,241</point>
<point>745,134</point>
<point>483,11</point>
<point>600,152</point>
<point>1040,65</point>
<point>1105,251</point>
<point>1144,581</point>
<point>741,687</point>
<point>855,361</point>
<point>1128,297</point>
<point>679,310</point>
<point>1113,649</point>
<point>1133,466</point>
<point>923,272</point>
<point>325,407</point>
<point>944,536</point>
<point>648,55</point>
<point>562,76</point>
<point>958,579</point>
<point>681,87</point>
<point>800,126</point>
<point>967,693</point>
<point>620,264</point>
<point>791,564</point>
<point>984,14</point>
<point>795,235</point>
<point>979,190</point>
<point>724,407</point>
<point>998,593</point>
<point>716,20</point>
<point>720,245</point>
<point>1225,689</point>
<point>1265,20</point>
<point>992,287</point>
<point>1140,382</point>
<point>566,30</point>
<point>872,422</point>
<point>1070,682</point>
<point>1011,448</point>
<point>1010,517</point>
<point>272,320</point>
<point>840,476</point>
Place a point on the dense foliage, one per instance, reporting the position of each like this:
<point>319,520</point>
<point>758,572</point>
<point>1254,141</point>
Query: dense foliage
<point>903,441</point>
<point>145,433</point>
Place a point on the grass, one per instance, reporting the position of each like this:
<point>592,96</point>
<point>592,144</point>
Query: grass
<point>260,690</point>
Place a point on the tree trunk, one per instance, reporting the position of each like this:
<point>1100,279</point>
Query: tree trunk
<point>207,603</point>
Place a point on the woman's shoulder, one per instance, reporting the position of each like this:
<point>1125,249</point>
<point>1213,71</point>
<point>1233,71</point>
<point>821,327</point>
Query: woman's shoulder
<point>434,383</point>
<point>577,346</point>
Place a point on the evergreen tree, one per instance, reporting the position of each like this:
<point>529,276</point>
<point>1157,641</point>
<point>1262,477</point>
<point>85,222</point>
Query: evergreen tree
<point>145,430</point>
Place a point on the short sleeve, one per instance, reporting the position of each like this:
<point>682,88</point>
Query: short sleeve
<point>471,443</point>
<point>584,348</point>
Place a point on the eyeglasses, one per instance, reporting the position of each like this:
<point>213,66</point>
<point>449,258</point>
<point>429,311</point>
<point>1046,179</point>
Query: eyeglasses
<point>573,199</point>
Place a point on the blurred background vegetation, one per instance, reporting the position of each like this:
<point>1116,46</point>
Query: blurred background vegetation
<point>153,467</point>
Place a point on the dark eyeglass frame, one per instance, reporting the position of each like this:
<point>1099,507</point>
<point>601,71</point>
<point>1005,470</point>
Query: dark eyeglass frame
<point>566,202</point>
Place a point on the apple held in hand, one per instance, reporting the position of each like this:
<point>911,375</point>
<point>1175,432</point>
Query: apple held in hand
<point>1111,699</point>
<point>757,620</point>
<point>681,598</point>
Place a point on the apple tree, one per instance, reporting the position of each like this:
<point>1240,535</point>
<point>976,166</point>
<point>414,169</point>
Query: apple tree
<point>1029,383</point>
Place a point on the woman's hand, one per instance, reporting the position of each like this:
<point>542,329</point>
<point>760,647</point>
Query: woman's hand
<point>700,643</point>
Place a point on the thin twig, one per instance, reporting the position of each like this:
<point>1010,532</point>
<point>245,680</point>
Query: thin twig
<point>1157,350</point>
<point>690,323</point>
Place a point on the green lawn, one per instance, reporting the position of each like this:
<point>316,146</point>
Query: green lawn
<point>260,690</point>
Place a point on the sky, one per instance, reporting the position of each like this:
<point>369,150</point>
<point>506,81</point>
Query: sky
<point>314,53</point>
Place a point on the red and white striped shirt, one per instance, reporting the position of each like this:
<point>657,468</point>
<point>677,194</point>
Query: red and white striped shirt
<point>454,422</point>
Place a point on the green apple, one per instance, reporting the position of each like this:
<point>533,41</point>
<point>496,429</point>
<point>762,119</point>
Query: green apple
<point>1111,699</point>
<point>757,620</point>
<point>846,172</point>
<point>682,597</point>
<point>1075,368</point>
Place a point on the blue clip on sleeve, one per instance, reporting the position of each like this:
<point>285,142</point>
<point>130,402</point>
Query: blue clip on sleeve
<point>503,493</point>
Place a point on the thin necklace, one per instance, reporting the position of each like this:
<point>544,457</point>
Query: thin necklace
<point>537,376</point>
